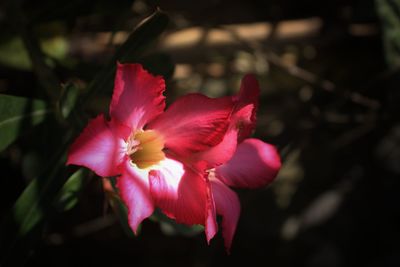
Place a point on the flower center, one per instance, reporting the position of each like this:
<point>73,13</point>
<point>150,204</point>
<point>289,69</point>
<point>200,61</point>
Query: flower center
<point>145,148</point>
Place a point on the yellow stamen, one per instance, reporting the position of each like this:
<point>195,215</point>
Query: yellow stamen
<point>145,148</point>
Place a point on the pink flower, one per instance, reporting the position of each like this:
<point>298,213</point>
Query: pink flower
<point>181,160</point>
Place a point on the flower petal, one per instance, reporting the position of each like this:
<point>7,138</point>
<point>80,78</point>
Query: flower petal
<point>247,105</point>
<point>254,164</point>
<point>194,123</point>
<point>228,206</point>
<point>241,125</point>
<point>98,148</point>
<point>138,96</point>
<point>211,226</point>
<point>220,153</point>
<point>133,187</point>
<point>179,192</point>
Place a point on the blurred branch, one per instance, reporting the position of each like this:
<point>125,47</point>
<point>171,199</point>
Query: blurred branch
<point>326,85</point>
<point>253,36</point>
<point>352,135</point>
<point>323,207</point>
<point>304,74</point>
<point>242,32</point>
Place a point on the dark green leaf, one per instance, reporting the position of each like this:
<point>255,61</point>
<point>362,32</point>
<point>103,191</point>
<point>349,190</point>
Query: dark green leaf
<point>389,12</point>
<point>28,211</point>
<point>68,99</point>
<point>14,54</point>
<point>35,201</point>
<point>158,64</point>
<point>21,228</point>
<point>120,209</point>
<point>170,227</point>
<point>67,198</point>
<point>18,114</point>
<point>145,33</point>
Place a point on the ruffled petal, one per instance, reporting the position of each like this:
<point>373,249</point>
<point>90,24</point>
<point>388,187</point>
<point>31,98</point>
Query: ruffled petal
<point>241,125</point>
<point>228,206</point>
<point>254,164</point>
<point>194,123</point>
<point>220,153</point>
<point>246,106</point>
<point>179,192</point>
<point>133,188</point>
<point>138,96</point>
<point>98,148</point>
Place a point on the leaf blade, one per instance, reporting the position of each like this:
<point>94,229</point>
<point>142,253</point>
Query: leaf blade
<point>67,197</point>
<point>17,114</point>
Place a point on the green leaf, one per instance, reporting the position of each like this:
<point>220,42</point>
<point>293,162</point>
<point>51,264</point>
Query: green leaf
<point>27,211</point>
<point>22,226</point>
<point>67,198</point>
<point>14,54</point>
<point>389,12</point>
<point>145,33</point>
<point>35,202</point>
<point>172,228</point>
<point>158,64</point>
<point>18,114</point>
<point>120,209</point>
<point>68,99</point>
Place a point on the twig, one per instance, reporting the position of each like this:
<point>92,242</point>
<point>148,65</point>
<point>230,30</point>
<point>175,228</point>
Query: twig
<point>352,135</point>
<point>304,74</point>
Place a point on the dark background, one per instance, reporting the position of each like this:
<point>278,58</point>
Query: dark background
<point>329,101</point>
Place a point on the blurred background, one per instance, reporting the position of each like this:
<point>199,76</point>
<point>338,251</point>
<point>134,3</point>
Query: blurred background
<point>329,75</point>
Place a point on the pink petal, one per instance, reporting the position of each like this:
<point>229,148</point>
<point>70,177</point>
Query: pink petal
<point>133,187</point>
<point>220,153</point>
<point>254,164</point>
<point>194,123</point>
<point>228,206</point>
<point>138,96</point>
<point>180,192</point>
<point>98,148</point>
<point>211,226</point>
<point>241,125</point>
<point>247,105</point>
<point>249,90</point>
